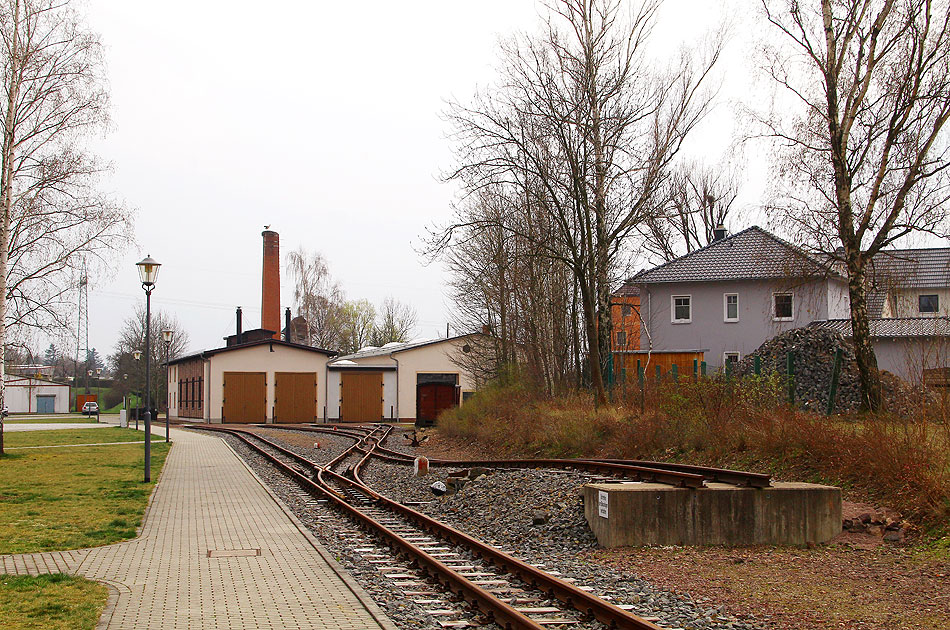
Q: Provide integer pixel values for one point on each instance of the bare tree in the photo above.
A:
(582, 129)
(317, 298)
(52, 214)
(132, 339)
(866, 160)
(699, 200)
(358, 319)
(396, 322)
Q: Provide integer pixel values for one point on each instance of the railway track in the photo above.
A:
(456, 578)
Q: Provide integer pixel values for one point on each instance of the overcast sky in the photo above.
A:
(320, 119)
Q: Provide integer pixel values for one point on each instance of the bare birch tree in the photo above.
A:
(53, 215)
(317, 298)
(866, 161)
(583, 128)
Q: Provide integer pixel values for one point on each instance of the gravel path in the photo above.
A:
(535, 515)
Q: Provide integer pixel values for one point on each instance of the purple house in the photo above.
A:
(724, 300)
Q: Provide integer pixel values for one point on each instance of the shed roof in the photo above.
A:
(252, 344)
(894, 326)
(752, 254)
(396, 348)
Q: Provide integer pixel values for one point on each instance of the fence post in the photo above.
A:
(757, 365)
(675, 371)
(695, 369)
(702, 369)
(659, 374)
(833, 390)
(728, 370)
(790, 374)
(640, 378)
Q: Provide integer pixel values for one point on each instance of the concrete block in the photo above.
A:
(634, 514)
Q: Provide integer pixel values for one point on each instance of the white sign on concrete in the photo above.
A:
(602, 502)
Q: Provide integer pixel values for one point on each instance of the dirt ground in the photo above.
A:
(855, 582)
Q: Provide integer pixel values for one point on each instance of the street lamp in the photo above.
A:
(148, 274)
(98, 382)
(167, 338)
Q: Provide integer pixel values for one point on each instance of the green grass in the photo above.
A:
(45, 420)
(69, 498)
(54, 602)
(74, 436)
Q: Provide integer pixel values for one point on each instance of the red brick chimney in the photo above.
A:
(270, 289)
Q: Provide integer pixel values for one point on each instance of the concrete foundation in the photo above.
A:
(634, 514)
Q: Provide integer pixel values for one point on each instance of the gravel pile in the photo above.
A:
(814, 348)
(535, 515)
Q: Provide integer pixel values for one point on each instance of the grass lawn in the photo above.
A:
(54, 602)
(28, 420)
(68, 498)
(74, 436)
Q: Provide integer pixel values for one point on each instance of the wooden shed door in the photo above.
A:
(245, 397)
(362, 396)
(295, 397)
(433, 398)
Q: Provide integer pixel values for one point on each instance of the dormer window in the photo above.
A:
(928, 304)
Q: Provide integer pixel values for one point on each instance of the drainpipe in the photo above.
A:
(392, 356)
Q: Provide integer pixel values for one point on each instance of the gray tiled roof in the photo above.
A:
(911, 268)
(895, 326)
(751, 254)
(876, 300)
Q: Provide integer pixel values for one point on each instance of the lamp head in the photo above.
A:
(137, 354)
(148, 271)
(167, 335)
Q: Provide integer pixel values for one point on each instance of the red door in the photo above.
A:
(432, 399)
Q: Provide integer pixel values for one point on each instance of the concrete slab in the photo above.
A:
(218, 551)
(634, 514)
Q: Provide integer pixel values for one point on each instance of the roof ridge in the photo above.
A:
(695, 251)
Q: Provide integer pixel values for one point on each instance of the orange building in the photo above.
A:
(625, 319)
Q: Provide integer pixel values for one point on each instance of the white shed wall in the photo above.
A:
(20, 394)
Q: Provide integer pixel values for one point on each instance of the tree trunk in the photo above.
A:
(864, 355)
(593, 350)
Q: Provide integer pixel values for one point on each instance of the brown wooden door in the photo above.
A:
(361, 396)
(245, 397)
(295, 397)
(433, 398)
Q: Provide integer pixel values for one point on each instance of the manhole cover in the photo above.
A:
(233, 553)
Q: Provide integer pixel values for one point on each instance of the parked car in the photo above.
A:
(90, 409)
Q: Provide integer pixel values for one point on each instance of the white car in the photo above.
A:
(90, 409)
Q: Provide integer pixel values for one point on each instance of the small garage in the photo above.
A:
(418, 381)
(34, 394)
(295, 397)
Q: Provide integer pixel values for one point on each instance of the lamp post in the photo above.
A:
(148, 274)
(167, 338)
(137, 355)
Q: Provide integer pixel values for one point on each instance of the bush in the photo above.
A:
(901, 461)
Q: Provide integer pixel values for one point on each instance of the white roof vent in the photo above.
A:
(344, 362)
(393, 344)
(367, 349)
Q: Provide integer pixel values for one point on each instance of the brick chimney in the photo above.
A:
(270, 289)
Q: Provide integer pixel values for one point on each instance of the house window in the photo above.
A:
(730, 357)
(730, 307)
(621, 339)
(682, 310)
(782, 307)
(928, 303)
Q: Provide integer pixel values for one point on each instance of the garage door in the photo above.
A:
(295, 397)
(45, 403)
(245, 397)
(361, 396)
(432, 399)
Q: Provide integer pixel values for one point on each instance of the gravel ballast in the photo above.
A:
(535, 515)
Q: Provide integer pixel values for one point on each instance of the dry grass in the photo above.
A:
(902, 461)
(50, 602)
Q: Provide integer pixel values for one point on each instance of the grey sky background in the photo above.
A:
(319, 119)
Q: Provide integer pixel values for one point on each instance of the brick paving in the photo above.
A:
(217, 550)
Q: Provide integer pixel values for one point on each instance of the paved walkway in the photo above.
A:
(217, 550)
